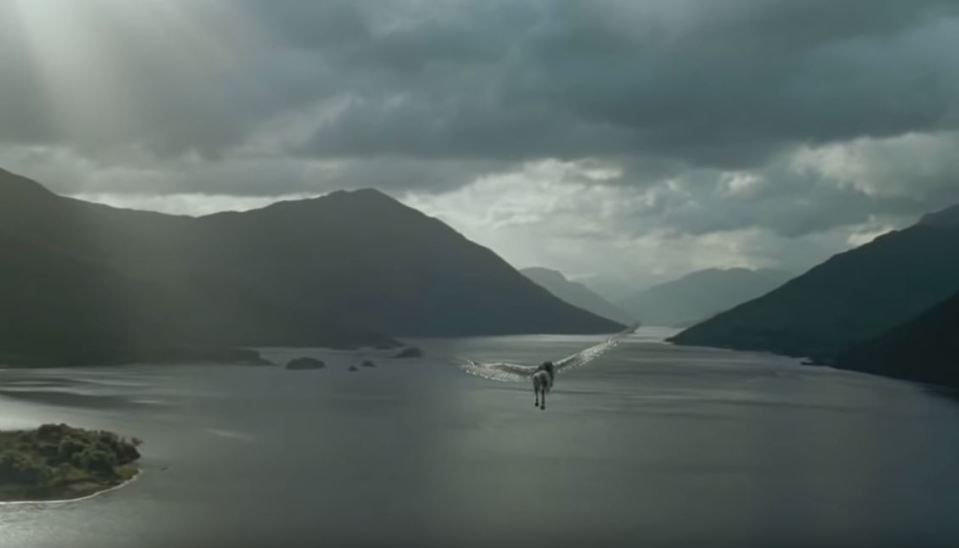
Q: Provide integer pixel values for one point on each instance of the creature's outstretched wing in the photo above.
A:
(514, 372)
(586, 355)
(499, 371)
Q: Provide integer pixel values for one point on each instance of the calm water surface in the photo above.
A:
(650, 445)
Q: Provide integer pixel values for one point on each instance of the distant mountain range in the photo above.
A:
(851, 298)
(701, 295)
(86, 283)
(924, 349)
(576, 294)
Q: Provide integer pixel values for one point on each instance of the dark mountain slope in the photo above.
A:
(850, 298)
(576, 294)
(80, 279)
(924, 349)
(371, 261)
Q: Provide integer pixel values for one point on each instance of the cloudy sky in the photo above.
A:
(621, 141)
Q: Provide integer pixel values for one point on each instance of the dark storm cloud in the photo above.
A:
(717, 83)
(714, 82)
(781, 201)
(263, 97)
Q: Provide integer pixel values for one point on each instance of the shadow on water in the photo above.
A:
(65, 392)
(73, 399)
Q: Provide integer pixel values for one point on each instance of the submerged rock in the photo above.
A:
(301, 364)
(353, 368)
(368, 363)
(410, 352)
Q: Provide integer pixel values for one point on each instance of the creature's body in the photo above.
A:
(542, 375)
(542, 383)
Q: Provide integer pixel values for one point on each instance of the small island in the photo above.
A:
(59, 462)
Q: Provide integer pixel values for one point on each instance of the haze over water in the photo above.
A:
(651, 444)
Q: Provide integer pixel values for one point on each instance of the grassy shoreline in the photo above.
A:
(56, 462)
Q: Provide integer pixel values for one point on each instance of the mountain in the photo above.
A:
(83, 282)
(701, 295)
(925, 349)
(576, 294)
(849, 299)
(947, 218)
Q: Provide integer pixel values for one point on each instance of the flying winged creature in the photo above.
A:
(543, 375)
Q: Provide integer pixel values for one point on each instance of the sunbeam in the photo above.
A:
(112, 71)
(72, 63)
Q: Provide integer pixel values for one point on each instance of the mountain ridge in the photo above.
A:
(576, 294)
(341, 271)
(701, 294)
(848, 299)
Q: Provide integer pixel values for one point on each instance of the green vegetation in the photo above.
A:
(57, 461)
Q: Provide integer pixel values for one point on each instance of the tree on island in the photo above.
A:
(57, 460)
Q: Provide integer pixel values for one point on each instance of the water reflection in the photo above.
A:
(653, 444)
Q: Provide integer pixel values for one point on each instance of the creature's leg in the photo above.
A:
(536, 392)
(542, 401)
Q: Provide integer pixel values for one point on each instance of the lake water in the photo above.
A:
(649, 445)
